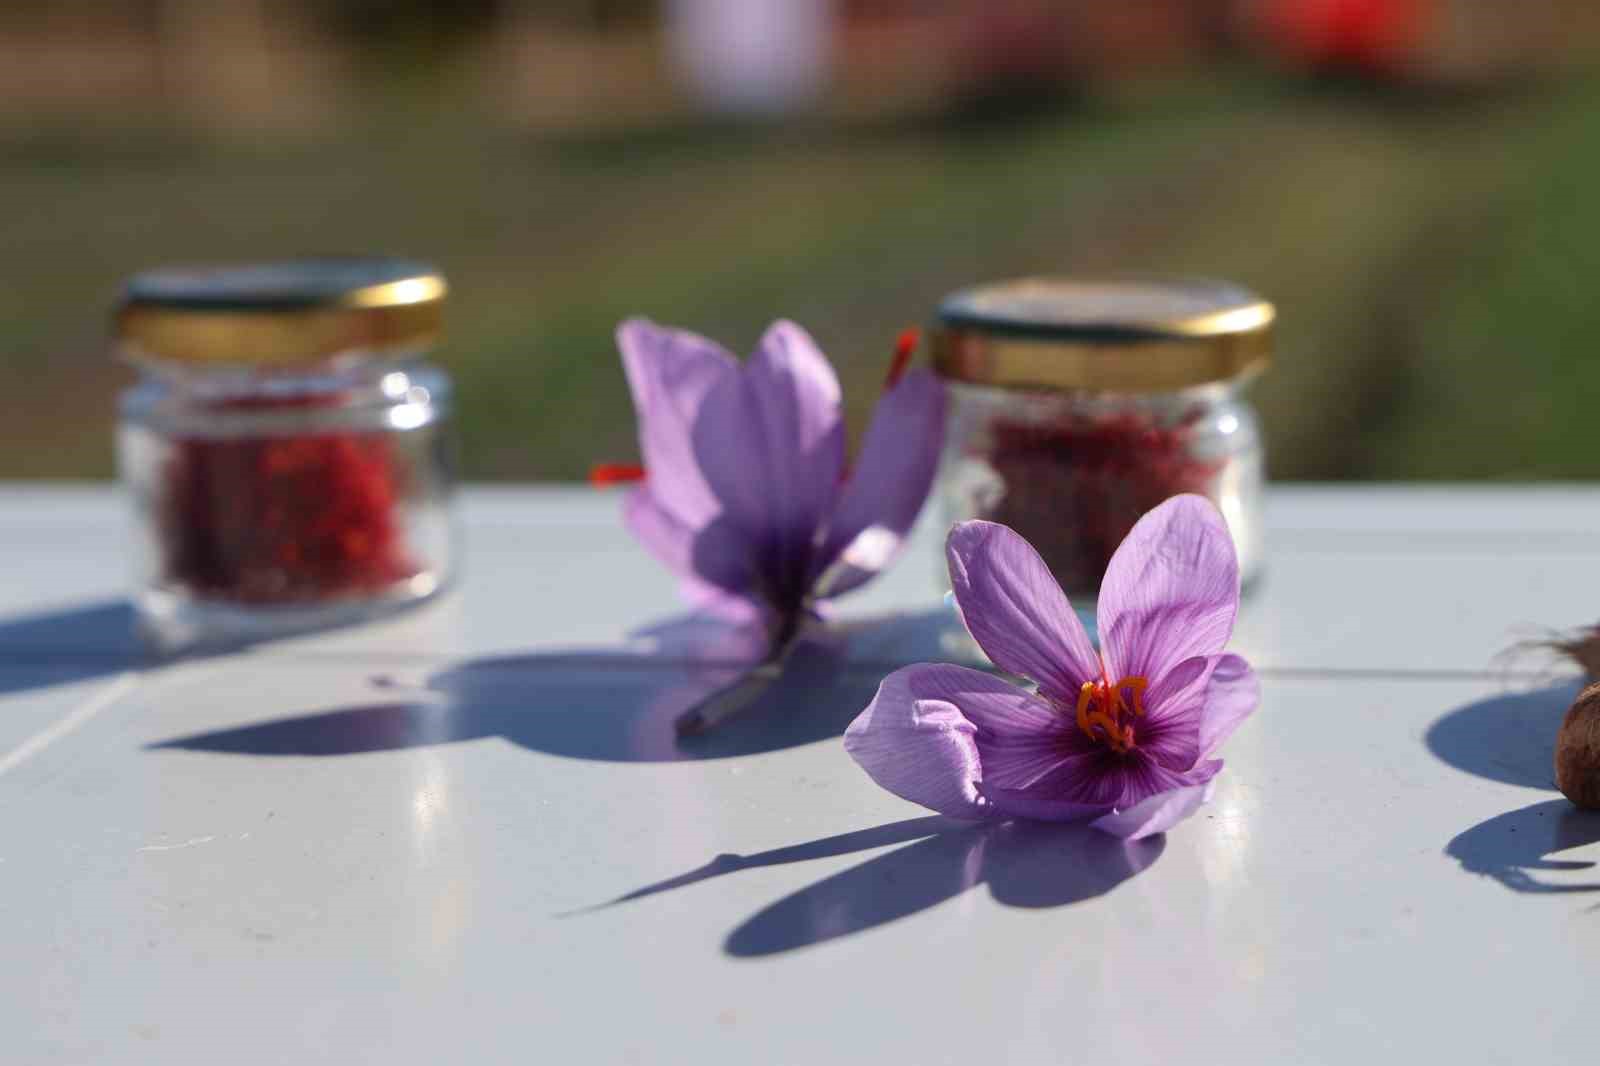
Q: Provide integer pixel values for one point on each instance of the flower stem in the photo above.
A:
(744, 691)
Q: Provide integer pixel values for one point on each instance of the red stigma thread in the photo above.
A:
(602, 475)
(904, 349)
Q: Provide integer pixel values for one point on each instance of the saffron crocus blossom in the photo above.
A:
(1121, 738)
(746, 492)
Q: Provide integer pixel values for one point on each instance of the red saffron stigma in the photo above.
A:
(904, 348)
(602, 475)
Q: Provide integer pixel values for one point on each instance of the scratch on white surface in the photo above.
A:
(191, 842)
(65, 726)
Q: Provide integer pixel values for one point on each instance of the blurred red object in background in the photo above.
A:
(1374, 36)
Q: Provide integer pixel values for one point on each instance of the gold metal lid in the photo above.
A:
(1112, 336)
(296, 313)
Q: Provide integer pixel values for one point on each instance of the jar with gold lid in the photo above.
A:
(1077, 406)
(287, 447)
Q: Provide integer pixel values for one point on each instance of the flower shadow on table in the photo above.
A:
(606, 705)
(1508, 738)
(1023, 864)
(1512, 847)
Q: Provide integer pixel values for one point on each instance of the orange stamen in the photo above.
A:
(1086, 696)
(1100, 708)
(904, 348)
(602, 475)
(1138, 685)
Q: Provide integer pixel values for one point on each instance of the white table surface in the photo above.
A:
(411, 842)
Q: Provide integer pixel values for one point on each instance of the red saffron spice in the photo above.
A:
(1075, 486)
(604, 475)
(905, 346)
(284, 519)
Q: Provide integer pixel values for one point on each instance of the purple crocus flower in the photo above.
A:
(746, 494)
(1121, 738)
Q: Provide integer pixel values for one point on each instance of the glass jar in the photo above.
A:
(288, 450)
(1076, 407)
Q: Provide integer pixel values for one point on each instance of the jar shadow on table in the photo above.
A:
(1022, 864)
(613, 705)
(79, 643)
(103, 638)
(1510, 738)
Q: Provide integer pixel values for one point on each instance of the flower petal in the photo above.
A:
(1094, 775)
(1171, 591)
(703, 638)
(1024, 803)
(719, 603)
(1156, 814)
(1024, 741)
(771, 445)
(1016, 611)
(1176, 692)
(1174, 705)
(663, 536)
(918, 736)
(886, 490)
(1196, 706)
(803, 414)
(670, 373)
(1231, 696)
(715, 554)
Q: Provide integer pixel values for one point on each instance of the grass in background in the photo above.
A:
(1431, 258)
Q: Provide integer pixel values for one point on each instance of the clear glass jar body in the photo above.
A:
(267, 504)
(1072, 471)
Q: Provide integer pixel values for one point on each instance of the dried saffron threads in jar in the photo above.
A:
(1080, 482)
(1076, 407)
(279, 520)
(288, 448)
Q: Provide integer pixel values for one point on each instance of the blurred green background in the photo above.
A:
(1427, 226)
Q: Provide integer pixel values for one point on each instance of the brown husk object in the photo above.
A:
(1583, 648)
(1578, 751)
